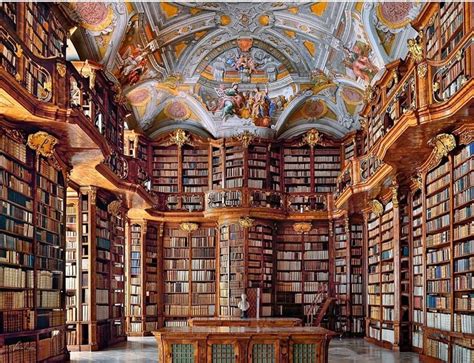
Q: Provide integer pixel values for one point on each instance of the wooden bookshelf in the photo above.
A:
(302, 268)
(297, 169)
(234, 165)
(32, 253)
(189, 265)
(165, 169)
(342, 254)
(97, 302)
(357, 282)
(448, 198)
(143, 274)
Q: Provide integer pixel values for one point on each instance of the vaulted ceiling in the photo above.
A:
(217, 68)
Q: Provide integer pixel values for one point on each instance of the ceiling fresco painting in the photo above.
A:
(275, 69)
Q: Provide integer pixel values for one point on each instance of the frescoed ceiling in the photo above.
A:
(217, 68)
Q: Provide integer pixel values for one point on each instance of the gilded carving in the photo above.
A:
(376, 207)
(422, 70)
(302, 227)
(179, 137)
(114, 207)
(442, 144)
(418, 181)
(61, 68)
(312, 138)
(14, 134)
(466, 137)
(245, 138)
(88, 72)
(246, 222)
(19, 51)
(415, 50)
(368, 93)
(43, 143)
(394, 189)
(188, 227)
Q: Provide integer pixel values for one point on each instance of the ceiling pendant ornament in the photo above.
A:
(302, 227)
(179, 137)
(442, 144)
(43, 143)
(376, 207)
(188, 227)
(246, 222)
(312, 138)
(245, 138)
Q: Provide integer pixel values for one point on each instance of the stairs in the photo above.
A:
(319, 308)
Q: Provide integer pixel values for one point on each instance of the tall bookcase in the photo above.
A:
(246, 266)
(189, 270)
(448, 194)
(302, 260)
(32, 253)
(96, 278)
(144, 278)
(342, 254)
(357, 282)
(387, 274)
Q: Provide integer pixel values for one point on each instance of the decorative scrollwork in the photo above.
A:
(188, 227)
(312, 138)
(422, 70)
(118, 164)
(61, 68)
(43, 143)
(114, 207)
(246, 222)
(376, 207)
(302, 227)
(179, 138)
(415, 49)
(245, 138)
(442, 144)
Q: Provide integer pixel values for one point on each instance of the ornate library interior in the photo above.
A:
(266, 182)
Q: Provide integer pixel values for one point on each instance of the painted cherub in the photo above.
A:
(358, 60)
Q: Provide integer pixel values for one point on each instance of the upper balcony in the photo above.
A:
(429, 91)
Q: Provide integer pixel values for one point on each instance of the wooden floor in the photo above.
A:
(340, 351)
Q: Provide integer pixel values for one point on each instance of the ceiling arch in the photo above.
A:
(273, 68)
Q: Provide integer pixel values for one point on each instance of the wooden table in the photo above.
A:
(252, 322)
(226, 344)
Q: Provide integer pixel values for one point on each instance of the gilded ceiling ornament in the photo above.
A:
(43, 143)
(188, 227)
(415, 50)
(302, 227)
(179, 137)
(114, 207)
(376, 207)
(422, 69)
(61, 68)
(245, 138)
(246, 222)
(312, 138)
(442, 144)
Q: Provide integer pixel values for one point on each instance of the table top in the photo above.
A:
(233, 318)
(242, 331)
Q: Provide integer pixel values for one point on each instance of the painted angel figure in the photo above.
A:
(358, 60)
(134, 64)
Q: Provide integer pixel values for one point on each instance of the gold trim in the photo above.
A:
(394, 189)
(61, 68)
(43, 143)
(442, 144)
(246, 222)
(312, 138)
(302, 227)
(179, 137)
(245, 138)
(415, 49)
(114, 207)
(188, 227)
(376, 207)
(422, 70)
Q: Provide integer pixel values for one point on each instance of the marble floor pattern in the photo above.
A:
(340, 351)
